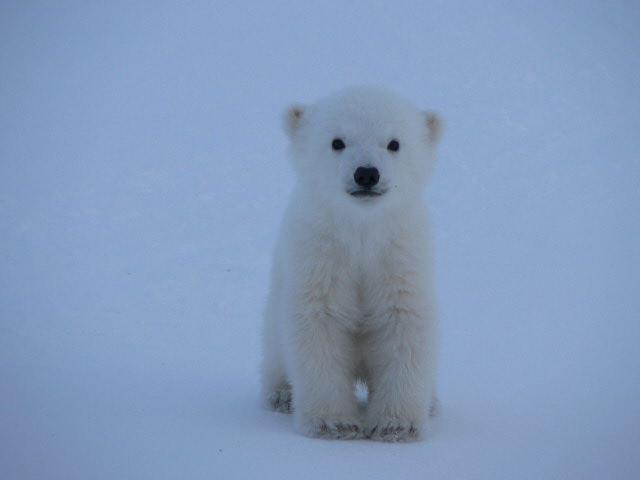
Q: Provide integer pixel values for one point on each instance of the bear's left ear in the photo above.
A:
(434, 126)
(293, 118)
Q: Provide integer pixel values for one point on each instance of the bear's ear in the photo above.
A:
(293, 118)
(434, 126)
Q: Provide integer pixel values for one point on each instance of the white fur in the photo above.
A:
(350, 295)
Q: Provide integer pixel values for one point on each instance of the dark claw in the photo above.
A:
(391, 431)
(281, 401)
(347, 428)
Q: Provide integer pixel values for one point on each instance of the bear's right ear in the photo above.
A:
(293, 118)
(434, 126)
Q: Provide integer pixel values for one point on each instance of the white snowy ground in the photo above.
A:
(142, 180)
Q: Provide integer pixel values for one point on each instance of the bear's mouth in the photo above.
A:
(365, 192)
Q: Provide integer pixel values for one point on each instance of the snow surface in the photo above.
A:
(142, 179)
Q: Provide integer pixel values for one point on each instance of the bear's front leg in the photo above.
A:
(320, 357)
(400, 352)
(322, 378)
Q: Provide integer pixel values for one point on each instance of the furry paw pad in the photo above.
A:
(337, 429)
(280, 400)
(393, 431)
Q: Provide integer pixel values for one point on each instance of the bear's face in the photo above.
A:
(362, 146)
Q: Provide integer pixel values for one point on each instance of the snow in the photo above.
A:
(142, 179)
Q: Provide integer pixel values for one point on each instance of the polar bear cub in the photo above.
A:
(351, 295)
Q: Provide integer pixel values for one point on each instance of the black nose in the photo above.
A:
(366, 176)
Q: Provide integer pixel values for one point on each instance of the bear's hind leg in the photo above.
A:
(276, 389)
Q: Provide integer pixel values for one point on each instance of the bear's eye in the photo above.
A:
(337, 144)
(393, 145)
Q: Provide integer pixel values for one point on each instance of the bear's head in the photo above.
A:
(362, 146)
